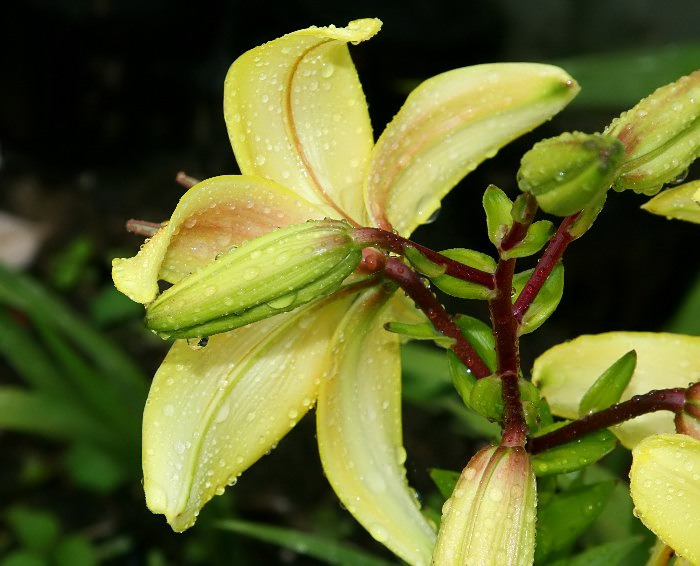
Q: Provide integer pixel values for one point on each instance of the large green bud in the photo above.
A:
(275, 273)
(661, 136)
(490, 517)
(571, 172)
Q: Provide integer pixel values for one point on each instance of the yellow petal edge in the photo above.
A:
(565, 372)
(665, 487)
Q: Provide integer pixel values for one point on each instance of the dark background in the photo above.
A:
(102, 102)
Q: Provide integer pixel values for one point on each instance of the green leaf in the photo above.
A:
(486, 396)
(498, 213)
(602, 555)
(574, 455)
(465, 289)
(95, 469)
(316, 546)
(35, 530)
(462, 378)
(538, 234)
(445, 480)
(422, 263)
(686, 320)
(420, 331)
(24, 294)
(23, 558)
(567, 516)
(71, 264)
(74, 551)
(545, 302)
(651, 67)
(25, 411)
(480, 336)
(608, 388)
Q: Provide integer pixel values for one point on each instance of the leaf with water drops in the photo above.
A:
(538, 234)
(567, 516)
(458, 287)
(214, 411)
(665, 487)
(608, 388)
(499, 218)
(480, 336)
(420, 331)
(296, 114)
(573, 455)
(359, 430)
(211, 218)
(565, 372)
(450, 124)
(545, 302)
(681, 203)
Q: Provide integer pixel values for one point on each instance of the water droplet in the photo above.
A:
(433, 217)
(250, 273)
(169, 410)
(223, 413)
(282, 302)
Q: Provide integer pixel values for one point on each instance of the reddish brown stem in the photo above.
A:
(551, 256)
(660, 400)
(142, 227)
(398, 272)
(395, 243)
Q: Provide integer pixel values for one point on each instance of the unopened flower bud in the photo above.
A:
(661, 136)
(570, 172)
(687, 421)
(490, 517)
(275, 273)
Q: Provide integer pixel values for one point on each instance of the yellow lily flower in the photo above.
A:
(665, 487)
(565, 372)
(300, 130)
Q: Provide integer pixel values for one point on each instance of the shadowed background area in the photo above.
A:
(102, 102)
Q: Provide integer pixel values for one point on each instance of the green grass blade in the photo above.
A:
(317, 546)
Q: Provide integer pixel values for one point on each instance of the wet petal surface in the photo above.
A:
(212, 412)
(359, 431)
(450, 124)
(296, 114)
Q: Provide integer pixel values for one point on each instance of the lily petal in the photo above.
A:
(213, 412)
(564, 374)
(211, 217)
(450, 124)
(665, 488)
(359, 431)
(296, 114)
(682, 203)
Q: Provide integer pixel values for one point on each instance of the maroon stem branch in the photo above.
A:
(505, 329)
(660, 400)
(398, 272)
(397, 244)
(551, 256)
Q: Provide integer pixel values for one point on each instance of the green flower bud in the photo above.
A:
(661, 136)
(275, 273)
(570, 172)
(490, 517)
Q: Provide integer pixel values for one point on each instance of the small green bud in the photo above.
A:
(570, 172)
(490, 517)
(661, 136)
(499, 213)
(275, 273)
